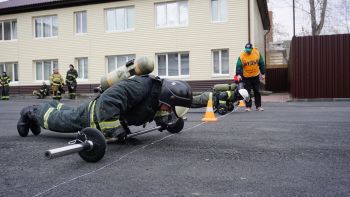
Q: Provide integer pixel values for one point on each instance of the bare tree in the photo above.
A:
(321, 5)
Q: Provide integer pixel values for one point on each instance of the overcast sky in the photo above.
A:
(337, 17)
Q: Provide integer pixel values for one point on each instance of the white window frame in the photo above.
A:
(220, 17)
(86, 62)
(128, 58)
(179, 65)
(178, 14)
(81, 22)
(11, 30)
(42, 27)
(42, 65)
(126, 29)
(13, 77)
(220, 62)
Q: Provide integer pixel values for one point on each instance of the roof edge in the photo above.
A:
(50, 5)
(264, 13)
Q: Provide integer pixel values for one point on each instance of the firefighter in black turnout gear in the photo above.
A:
(71, 81)
(43, 91)
(133, 101)
(5, 86)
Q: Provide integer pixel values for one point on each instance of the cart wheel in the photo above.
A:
(230, 107)
(222, 109)
(177, 127)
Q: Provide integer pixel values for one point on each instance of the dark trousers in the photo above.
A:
(4, 90)
(253, 83)
(72, 89)
(60, 118)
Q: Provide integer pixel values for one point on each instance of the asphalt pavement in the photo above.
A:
(290, 149)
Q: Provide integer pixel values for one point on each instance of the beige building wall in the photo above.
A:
(258, 32)
(199, 38)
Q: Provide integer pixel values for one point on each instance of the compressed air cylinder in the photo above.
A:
(224, 87)
(141, 66)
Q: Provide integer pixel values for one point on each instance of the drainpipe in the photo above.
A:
(249, 21)
(265, 45)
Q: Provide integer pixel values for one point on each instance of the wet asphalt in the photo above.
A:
(290, 149)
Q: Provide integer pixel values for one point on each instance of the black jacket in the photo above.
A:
(133, 100)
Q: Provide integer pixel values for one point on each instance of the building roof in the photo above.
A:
(19, 6)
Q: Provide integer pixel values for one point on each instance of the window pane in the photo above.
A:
(78, 22)
(2, 68)
(54, 26)
(223, 10)
(172, 14)
(185, 64)
(80, 68)
(120, 19)
(0, 31)
(111, 63)
(161, 65)
(224, 61)
(130, 57)
(15, 70)
(39, 71)
(173, 64)
(111, 20)
(55, 65)
(84, 25)
(130, 18)
(9, 71)
(161, 15)
(85, 68)
(214, 10)
(183, 13)
(38, 24)
(121, 60)
(14, 29)
(47, 70)
(7, 30)
(216, 62)
(47, 26)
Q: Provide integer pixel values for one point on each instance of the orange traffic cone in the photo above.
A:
(209, 113)
(241, 103)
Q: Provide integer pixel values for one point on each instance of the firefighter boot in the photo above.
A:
(28, 121)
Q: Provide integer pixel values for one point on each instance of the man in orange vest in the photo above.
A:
(250, 68)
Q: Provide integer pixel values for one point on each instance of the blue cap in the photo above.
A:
(248, 47)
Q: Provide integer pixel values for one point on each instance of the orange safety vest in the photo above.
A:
(250, 63)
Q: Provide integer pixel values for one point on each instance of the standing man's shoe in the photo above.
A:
(248, 109)
(259, 109)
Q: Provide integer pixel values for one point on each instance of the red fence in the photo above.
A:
(319, 66)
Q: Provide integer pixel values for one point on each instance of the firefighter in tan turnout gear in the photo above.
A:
(71, 81)
(134, 100)
(56, 82)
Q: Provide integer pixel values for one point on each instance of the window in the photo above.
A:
(220, 62)
(120, 19)
(219, 10)
(114, 62)
(173, 64)
(46, 26)
(44, 68)
(80, 22)
(11, 70)
(171, 14)
(82, 67)
(8, 30)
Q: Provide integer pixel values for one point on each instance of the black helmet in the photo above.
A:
(175, 93)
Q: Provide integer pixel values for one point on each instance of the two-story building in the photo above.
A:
(194, 40)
